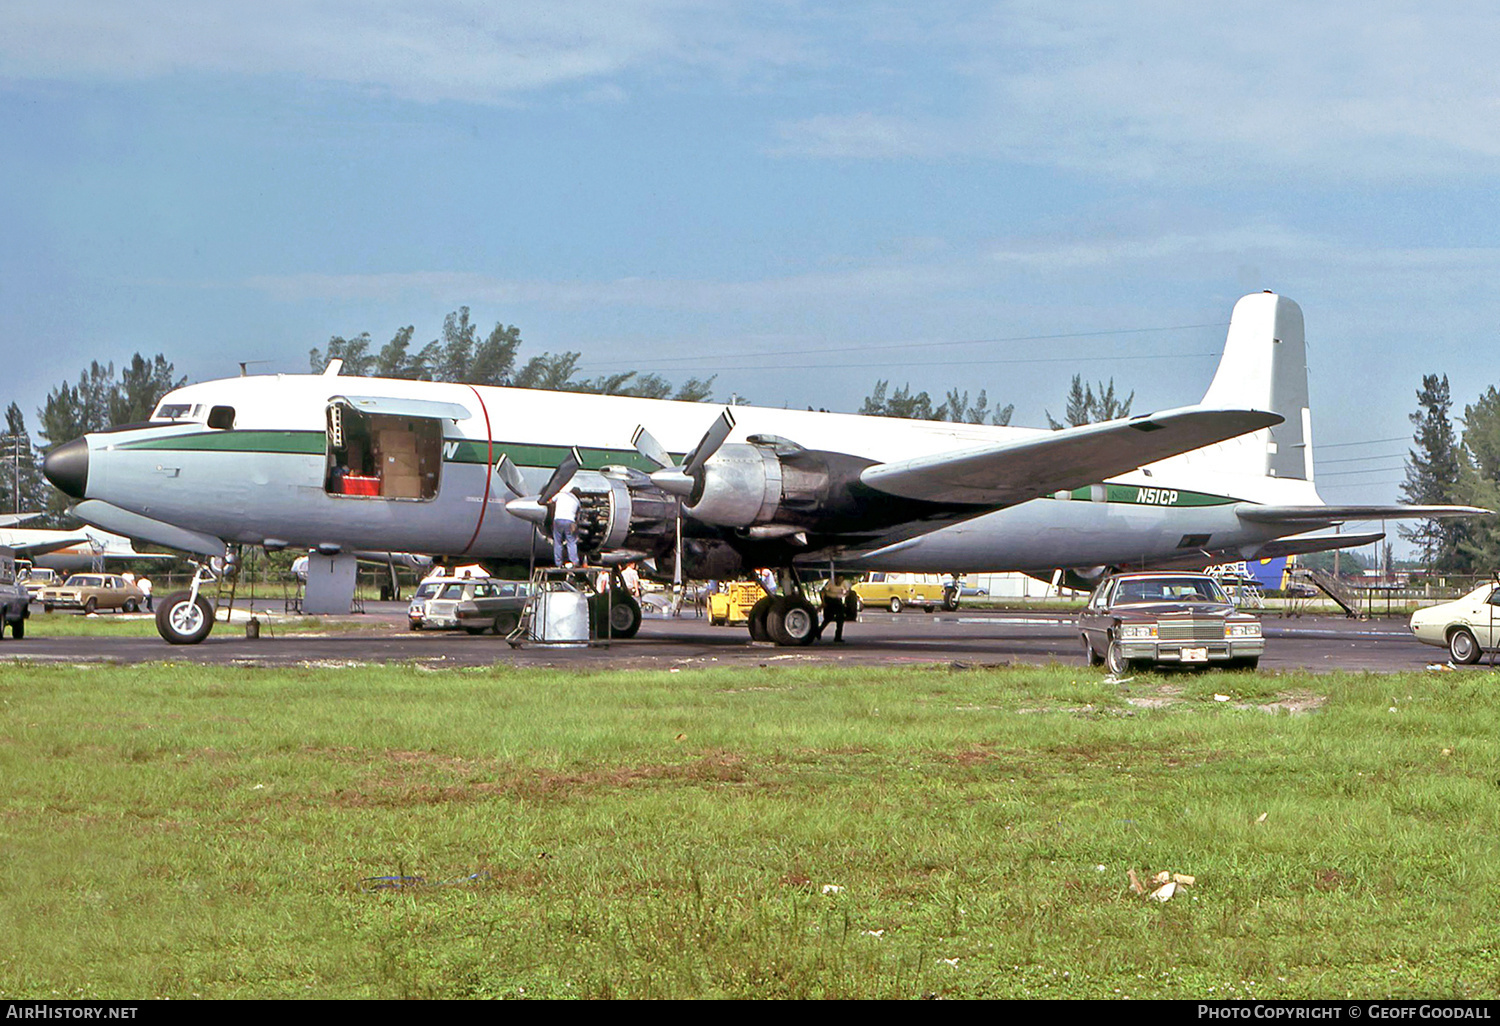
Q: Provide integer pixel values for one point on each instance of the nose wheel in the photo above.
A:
(187, 617)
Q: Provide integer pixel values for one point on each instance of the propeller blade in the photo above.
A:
(651, 449)
(510, 474)
(561, 476)
(709, 444)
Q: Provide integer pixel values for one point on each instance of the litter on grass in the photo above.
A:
(1165, 884)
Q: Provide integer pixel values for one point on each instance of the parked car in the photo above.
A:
(91, 592)
(1467, 627)
(14, 602)
(476, 604)
(1173, 619)
(35, 579)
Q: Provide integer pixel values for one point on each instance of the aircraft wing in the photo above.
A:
(40, 547)
(1297, 545)
(1014, 472)
(1338, 514)
(12, 519)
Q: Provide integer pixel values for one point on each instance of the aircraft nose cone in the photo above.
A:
(67, 467)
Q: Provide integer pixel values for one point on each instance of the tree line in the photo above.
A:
(1445, 466)
(461, 355)
(103, 398)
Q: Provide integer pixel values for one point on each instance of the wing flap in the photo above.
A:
(1014, 472)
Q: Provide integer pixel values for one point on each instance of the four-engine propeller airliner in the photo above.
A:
(339, 464)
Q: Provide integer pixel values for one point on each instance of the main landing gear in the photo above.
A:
(786, 618)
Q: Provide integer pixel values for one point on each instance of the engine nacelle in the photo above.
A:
(612, 515)
(746, 485)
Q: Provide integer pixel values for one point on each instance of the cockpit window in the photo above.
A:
(178, 411)
(221, 418)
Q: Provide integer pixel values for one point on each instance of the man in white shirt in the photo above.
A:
(565, 527)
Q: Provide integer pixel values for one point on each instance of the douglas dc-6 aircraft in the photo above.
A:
(338, 464)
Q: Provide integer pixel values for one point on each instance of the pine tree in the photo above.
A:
(1432, 473)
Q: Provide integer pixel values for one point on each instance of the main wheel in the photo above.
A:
(181, 621)
(18, 629)
(895, 604)
(792, 621)
(950, 600)
(758, 615)
(624, 617)
(1114, 658)
(1463, 647)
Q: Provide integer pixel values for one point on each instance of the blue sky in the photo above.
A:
(801, 198)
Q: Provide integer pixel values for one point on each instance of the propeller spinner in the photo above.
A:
(534, 507)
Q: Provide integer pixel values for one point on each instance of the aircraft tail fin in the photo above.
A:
(1264, 367)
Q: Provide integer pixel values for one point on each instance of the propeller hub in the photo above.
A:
(527, 509)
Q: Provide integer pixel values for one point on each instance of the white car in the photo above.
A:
(1466, 627)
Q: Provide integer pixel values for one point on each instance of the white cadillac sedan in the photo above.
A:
(1466, 627)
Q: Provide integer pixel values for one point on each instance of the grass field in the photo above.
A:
(143, 625)
(178, 831)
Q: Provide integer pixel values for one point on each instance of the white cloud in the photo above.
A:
(426, 50)
(1187, 90)
(935, 274)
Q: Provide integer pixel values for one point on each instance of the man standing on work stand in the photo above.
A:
(565, 527)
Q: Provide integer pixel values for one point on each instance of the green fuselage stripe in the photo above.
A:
(1138, 495)
(455, 450)
(469, 450)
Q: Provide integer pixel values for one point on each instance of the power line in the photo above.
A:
(1368, 470)
(1363, 459)
(1373, 441)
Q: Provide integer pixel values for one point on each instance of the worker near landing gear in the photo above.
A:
(565, 527)
(834, 608)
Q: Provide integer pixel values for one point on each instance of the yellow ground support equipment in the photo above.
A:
(731, 603)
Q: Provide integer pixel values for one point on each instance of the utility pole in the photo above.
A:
(14, 445)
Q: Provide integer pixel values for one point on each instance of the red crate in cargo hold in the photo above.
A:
(355, 484)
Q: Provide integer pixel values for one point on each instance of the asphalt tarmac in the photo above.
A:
(973, 638)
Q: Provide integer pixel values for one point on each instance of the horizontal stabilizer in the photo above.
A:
(1299, 545)
(1014, 472)
(1339, 514)
(1305, 543)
